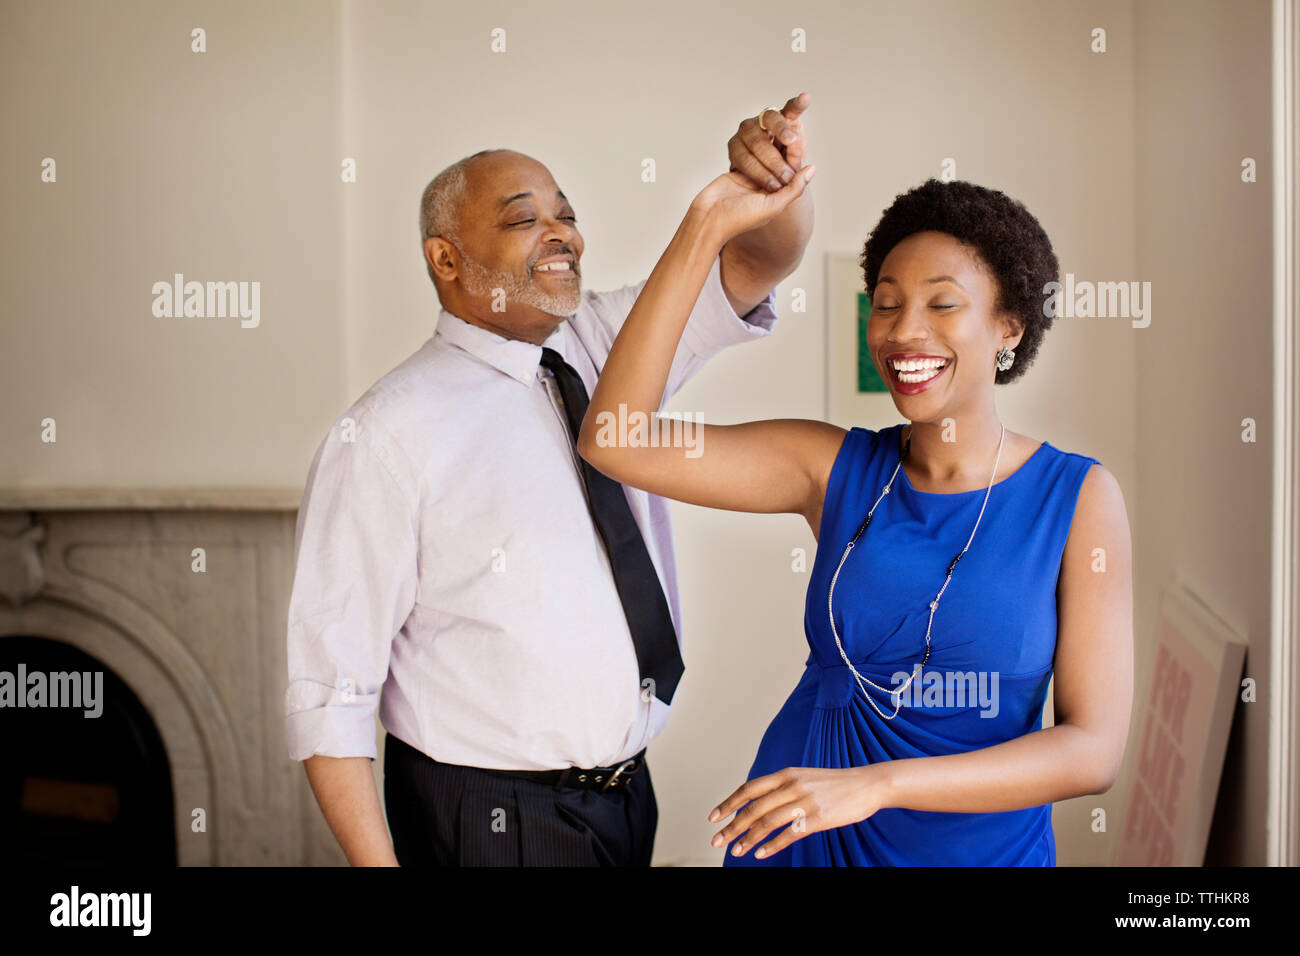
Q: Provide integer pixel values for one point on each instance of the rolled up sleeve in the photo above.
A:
(712, 326)
(355, 581)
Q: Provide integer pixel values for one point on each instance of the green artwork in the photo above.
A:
(868, 378)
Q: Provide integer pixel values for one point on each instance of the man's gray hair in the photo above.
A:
(440, 206)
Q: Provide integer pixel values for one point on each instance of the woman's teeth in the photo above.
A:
(915, 371)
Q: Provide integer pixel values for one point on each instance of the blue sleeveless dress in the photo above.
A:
(992, 644)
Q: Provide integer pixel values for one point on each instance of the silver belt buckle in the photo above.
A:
(614, 776)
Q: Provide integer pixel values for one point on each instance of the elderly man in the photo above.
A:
(517, 608)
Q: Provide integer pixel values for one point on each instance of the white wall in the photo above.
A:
(222, 166)
(1205, 241)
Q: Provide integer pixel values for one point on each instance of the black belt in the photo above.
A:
(579, 778)
(596, 778)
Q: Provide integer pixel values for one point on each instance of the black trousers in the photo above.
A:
(447, 815)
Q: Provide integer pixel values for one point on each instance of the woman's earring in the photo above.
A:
(1005, 359)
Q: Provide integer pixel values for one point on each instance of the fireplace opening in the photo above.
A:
(75, 789)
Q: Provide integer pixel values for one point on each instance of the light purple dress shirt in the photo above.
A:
(445, 556)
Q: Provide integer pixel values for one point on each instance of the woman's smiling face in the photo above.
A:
(934, 313)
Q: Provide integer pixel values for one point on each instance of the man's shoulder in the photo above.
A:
(618, 298)
(404, 405)
(601, 313)
(416, 385)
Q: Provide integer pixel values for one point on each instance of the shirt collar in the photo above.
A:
(517, 359)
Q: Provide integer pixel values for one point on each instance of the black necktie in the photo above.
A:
(647, 612)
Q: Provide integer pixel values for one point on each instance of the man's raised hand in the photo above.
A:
(770, 158)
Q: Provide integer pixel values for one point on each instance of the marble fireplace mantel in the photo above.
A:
(112, 572)
(144, 498)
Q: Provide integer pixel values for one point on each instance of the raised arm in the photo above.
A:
(766, 466)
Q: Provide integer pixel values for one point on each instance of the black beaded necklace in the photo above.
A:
(934, 605)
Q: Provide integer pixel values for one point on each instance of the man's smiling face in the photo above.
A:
(518, 247)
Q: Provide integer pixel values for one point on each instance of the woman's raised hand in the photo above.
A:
(733, 203)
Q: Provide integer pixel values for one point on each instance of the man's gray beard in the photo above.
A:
(480, 280)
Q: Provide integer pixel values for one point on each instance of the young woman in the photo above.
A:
(959, 564)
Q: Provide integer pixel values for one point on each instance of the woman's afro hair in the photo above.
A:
(1006, 237)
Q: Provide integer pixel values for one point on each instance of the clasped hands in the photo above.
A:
(767, 172)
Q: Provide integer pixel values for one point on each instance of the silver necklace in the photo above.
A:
(934, 605)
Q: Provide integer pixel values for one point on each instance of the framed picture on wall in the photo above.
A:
(855, 392)
(1183, 717)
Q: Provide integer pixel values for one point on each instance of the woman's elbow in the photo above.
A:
(588, 449)
(603, 443)
(1103, 771)
(1102, 783)
(1095, 760)
(592, 446)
